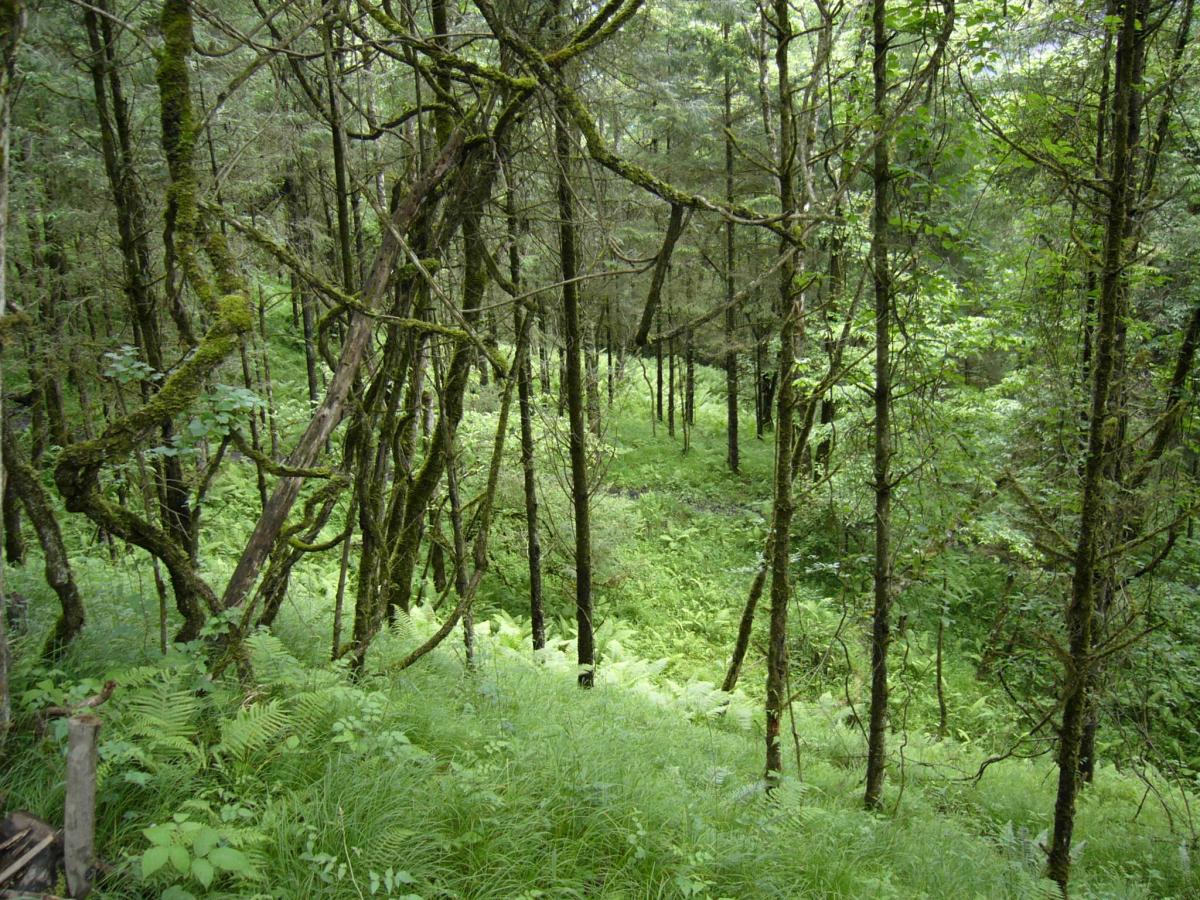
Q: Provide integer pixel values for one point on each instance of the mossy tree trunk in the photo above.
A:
(12, 24)
(572, 327)
(14, 542)
(732, 454)
(882, 277)
(781, 507)
(1081, 606)
(522, 329)
(59, 576)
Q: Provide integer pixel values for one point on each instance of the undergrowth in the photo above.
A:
(505, 781)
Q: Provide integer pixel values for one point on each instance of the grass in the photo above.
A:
(509, 782)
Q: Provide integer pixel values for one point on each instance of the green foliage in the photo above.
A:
(197, 853)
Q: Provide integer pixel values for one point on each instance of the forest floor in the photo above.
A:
(508, 782)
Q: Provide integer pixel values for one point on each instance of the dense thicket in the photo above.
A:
(401, 292)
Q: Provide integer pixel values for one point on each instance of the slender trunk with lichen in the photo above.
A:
(1081, 607)
(12, 23)
(580, 498)
(781, 516)
(1129, 521)
(881, 272)
(58, 572)
(522, 327)
(340, 166)
(14, 542)
(732, 458)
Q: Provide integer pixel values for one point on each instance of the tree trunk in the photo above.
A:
(14, 543)
(340, 166)
(745, 627)
(575, 402)
(658, 382)
(33, 497)
(670, 384)
(731, 371)
(592, 379)
(881, 626)
(12, 23)
(302, 298)
(781, 519)
(1081, 607)
(522, 326)
(689, 380)
(609, 373)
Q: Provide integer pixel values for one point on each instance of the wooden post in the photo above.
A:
(79, 817)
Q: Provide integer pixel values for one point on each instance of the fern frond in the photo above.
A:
(164, 711)
(272, 662)
(252, 728)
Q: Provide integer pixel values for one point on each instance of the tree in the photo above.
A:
(12, 23)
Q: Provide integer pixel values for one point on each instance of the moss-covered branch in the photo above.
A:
(77, 473)
(441, 55)
(550, 78)
(179, 143)
(54, 552)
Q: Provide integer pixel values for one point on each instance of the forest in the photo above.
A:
(599, 448)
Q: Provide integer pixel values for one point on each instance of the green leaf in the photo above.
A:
(175, 892)
(153, 860)
(202, 871)
(229, 860)
(180, 858)
(158, 835)
(205, 841)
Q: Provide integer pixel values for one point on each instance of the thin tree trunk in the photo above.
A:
(941, 683)
(33, 496)
(608, 349)
(14, 543)
(586, 650)
(732, 458)
(670, 384)
(12, 23)
(301, 296)
(881, 626)
(339, 600)
(340, 173)
(1081, 608)
(543, 350)
(689, 370)
(592, 378)
(522, 326)
(255, 440)
(745, 627)
(781, 521)
(658, 383)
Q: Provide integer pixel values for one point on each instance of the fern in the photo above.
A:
(163, 719)
(273, 664)
(401, 626)
(252, 728)
(315, 711)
